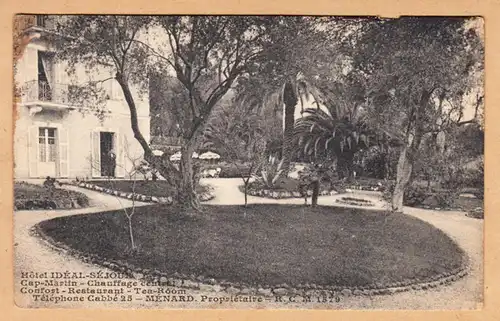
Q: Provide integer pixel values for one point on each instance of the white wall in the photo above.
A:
(79, 125)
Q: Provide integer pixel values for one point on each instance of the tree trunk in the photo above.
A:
(290, 100)
(161, 164)
(131, 234)
(246, 195)
(315, 193)
(403, 175)
(387, 165)
(186, 192)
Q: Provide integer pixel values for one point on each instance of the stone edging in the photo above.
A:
(268, 193)
(211, 285)
(141, 197)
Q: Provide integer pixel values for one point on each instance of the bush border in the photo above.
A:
(206, 196)
(202, 283)
(71, 204)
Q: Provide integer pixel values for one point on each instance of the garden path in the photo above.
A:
(32, 255)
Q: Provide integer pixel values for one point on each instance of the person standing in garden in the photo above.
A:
(309, 179)
(111, 163)
(315, 185)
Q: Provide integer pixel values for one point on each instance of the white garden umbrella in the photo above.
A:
(157, 152)
(177, 156)
(209, 155)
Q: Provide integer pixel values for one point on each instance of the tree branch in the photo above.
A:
(157, 54)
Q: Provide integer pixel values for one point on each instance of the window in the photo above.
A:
(47, 144)
(40, 20)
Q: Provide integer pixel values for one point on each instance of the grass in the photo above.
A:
(269, 245)
(149, 188)
(32, 196)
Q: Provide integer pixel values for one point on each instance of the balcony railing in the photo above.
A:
(42, 91)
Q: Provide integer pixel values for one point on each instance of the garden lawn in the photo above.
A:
(269, 245)
(149, 188)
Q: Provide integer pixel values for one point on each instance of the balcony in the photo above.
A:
(42, 95)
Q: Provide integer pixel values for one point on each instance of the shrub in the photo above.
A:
(413, 196)
(231, 171)
(445, 197)
(467, 177)
(30, 197)
(282, 184)
(270, 172)
(416, 195)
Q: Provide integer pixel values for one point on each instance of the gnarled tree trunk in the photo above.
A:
(161, 164)
(186, 193)
(403, 176)
(404, 173)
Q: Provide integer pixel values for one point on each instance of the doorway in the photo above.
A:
(108, 154)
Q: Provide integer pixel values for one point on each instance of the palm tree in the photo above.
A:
(285, 77)
(279, 100)
(338, 132)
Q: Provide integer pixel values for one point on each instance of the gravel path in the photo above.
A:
(32, 255)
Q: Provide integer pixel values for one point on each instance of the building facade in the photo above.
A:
(53, 136)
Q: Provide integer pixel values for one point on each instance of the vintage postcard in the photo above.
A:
(248, 162)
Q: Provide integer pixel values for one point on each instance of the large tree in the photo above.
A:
(207, 54)
(420, 71)
(302, 50)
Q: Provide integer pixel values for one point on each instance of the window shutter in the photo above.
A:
(120, 155)
(95, 161)
(33, 151)
(30, 57)
(63, 152)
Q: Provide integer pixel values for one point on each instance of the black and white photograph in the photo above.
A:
(248, 162)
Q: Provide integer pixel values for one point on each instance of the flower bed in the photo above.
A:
(289, 188)
(282, 194)
(354, 201)
(363, 184)
(123, 190)
(35, 197)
